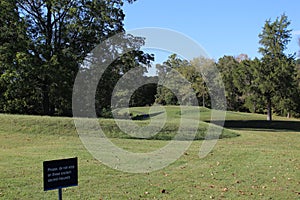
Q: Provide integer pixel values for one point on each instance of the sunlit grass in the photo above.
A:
(259, 164)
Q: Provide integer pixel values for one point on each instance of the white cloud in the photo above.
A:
(296, 32)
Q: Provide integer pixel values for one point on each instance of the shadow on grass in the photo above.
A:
(145, 116)
(260, 125)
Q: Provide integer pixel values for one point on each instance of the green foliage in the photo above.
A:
(250, 84)
(173, 72)
(165, 91)
(244, 81)
(211, 87)
(133, 89)
(13, 56)
(198, 83)
(42, 45)
(275, 76)
(144, 96)
(227, 66)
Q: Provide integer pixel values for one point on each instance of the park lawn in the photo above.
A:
(205, 113)
(259, 164)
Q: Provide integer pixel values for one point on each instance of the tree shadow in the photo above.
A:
(260, 125)
(145, 116)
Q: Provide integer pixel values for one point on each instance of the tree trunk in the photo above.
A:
(203, 100)
(46, 102)
(48, 109)
(269, 114)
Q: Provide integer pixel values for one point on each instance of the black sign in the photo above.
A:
(60, 173)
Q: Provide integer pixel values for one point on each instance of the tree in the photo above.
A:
(198, 83)
(227, 66)
(178, 77)
(165, 95)
(275, 76)
(145, 95)
(244, 80)
(13, 60)
(106, 66)
(298, 85)
(59, 35)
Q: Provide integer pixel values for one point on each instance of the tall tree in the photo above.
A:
(13, 55)
(199, 83)
(61, 34)
(275, 77)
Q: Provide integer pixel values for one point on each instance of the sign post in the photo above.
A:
(59, 194)
(59, 174)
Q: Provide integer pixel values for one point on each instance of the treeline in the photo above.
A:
(44, 44)
(243, 84)
(269, 85)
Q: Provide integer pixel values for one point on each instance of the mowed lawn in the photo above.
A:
(263, 162)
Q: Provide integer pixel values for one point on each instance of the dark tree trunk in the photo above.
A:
(46, 101)
(269, 108)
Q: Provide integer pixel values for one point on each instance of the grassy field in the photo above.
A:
(262, 163)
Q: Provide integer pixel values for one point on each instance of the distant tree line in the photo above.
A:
(267, 85)
(43, 44)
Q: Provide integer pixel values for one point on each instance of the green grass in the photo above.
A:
(65, 126)
(262, 163)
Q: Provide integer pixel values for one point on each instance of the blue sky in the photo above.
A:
(221, 27)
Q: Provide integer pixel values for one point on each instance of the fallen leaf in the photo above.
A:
(241, 192)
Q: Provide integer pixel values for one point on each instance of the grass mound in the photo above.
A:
(167, 132)
(62, 126)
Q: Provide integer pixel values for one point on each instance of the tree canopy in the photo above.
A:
(42, 45)
(276, 74)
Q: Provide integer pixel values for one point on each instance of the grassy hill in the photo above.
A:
(262, 163)
(65, 127)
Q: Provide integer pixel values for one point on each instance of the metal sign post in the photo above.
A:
(59, 194)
